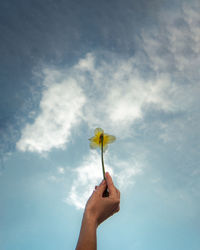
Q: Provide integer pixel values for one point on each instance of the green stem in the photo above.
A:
(104, 175)
(105, 193)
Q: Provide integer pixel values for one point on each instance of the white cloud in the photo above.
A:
(115, 93)
(121, 95)
(61, 170)
(116, 105)
(126, 171)
(61, 104)
(172, 46)
(89, 174)
(87, 63)
(170, 53)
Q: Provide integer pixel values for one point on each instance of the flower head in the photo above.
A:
(96, 141)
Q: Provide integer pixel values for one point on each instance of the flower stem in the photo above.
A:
(105, 193)
(104, 175)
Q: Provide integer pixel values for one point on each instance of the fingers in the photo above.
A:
(113, 191)
(100, 189)
(111, 187)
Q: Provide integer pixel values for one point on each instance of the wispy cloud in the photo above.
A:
(86, 177)
(114, 92)
(60, 110)
(172, 45)
(102, 94)
(89, 174)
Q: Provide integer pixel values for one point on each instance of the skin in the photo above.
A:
(97, 210)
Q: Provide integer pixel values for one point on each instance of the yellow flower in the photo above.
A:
(96, 140)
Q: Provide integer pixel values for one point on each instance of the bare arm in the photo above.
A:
(98, 209)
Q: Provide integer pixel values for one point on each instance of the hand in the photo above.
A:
(99, 208)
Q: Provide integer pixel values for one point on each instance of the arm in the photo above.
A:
(98, 209)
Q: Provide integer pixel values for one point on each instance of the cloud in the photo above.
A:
(120, 95)
(106, 90)
(68, 99)
(61, 170)
(163, 75)
(60, 110)
(172, 45)
(86, 64)
(89, 174)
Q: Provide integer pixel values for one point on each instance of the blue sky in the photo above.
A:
(129, 67)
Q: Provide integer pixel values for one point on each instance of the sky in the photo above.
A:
(130, 67)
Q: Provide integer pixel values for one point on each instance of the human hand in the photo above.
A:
(99, 208)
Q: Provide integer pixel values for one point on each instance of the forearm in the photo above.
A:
(87, 238)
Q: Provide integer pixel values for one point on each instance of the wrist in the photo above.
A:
(90, 219)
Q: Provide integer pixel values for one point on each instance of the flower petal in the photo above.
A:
(93, 145)
(98, 131)
(109, 138)
(93, 139)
